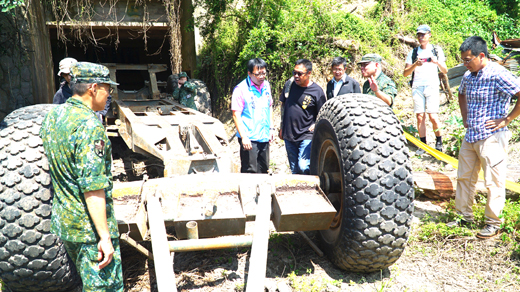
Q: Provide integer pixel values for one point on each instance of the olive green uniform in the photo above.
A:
(185, 95)
(385, 84)
(80, 159)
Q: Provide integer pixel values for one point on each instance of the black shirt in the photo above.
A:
(301, 109)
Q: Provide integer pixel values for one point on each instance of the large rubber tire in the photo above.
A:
(203, 98)
(359, 139)
(31, 258)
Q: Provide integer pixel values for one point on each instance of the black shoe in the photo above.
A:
(420, 151)
(488, 231)
(438, 146)
(459, 223)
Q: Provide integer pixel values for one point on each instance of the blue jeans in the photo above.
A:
(299, 155)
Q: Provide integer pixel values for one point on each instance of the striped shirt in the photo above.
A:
(488, 94)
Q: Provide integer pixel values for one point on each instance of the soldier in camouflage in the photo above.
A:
(185, 92)
(377, 84)
(80, 159)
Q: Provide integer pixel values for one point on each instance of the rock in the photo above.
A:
(284, 287)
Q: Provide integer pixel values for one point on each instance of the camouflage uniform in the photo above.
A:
(80, 160)
(186, 95)
(385, 84)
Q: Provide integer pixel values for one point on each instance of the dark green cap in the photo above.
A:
(371, 58)
(85, 72)
(183, 74)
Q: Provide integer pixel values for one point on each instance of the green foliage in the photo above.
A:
(457, 131)
(306, 284)
(282, 31)
(514, 127)
(433, 231)
(508, 7)
(511, 225)
(8, 5)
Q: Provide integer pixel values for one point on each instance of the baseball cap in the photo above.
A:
(86, 72)
(183, 74)
(65, 64)
(371, 58)
(423, 28)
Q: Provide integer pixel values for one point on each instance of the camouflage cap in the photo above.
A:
(85, 72)
(371, 58)
(183, 74)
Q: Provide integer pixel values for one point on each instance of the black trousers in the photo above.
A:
(255, 160)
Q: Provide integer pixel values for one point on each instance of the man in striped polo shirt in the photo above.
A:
(484, 96)
(251, 104)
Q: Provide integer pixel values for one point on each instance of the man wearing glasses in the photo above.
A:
(423, 64)
(341, 83)
(484, 96)
(251, 104)
(80, 159)
(377, 84)
(299, 112)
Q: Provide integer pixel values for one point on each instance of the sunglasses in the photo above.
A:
(299, 74)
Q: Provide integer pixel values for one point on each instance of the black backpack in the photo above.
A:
(414, 58)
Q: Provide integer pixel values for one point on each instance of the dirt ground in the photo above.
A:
(441, 264)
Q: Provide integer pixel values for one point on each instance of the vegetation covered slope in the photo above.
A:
(282, 31)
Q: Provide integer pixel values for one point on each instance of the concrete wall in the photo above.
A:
(25, 60)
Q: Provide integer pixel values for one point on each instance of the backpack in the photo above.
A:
(414, 59)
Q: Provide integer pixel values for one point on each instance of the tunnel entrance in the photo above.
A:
(130, 49)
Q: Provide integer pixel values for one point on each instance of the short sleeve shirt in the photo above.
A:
(488, 93)
(80, 159)
(427, 74)
(385, 84)
(301, 110)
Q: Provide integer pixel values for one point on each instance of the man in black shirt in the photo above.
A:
(299, 111)
(341, 83)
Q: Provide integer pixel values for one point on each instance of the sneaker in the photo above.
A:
(438, 146)
(459, 223)
(420, 151)
(488, 231)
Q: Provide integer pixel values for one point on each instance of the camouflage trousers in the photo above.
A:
(84, 256)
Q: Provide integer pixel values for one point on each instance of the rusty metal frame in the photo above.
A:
(151, 68)
(186, 140)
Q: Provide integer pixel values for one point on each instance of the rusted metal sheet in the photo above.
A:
(199, 194)
(186, 140)
(216, 214)
(301, 208)
(507, 44)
